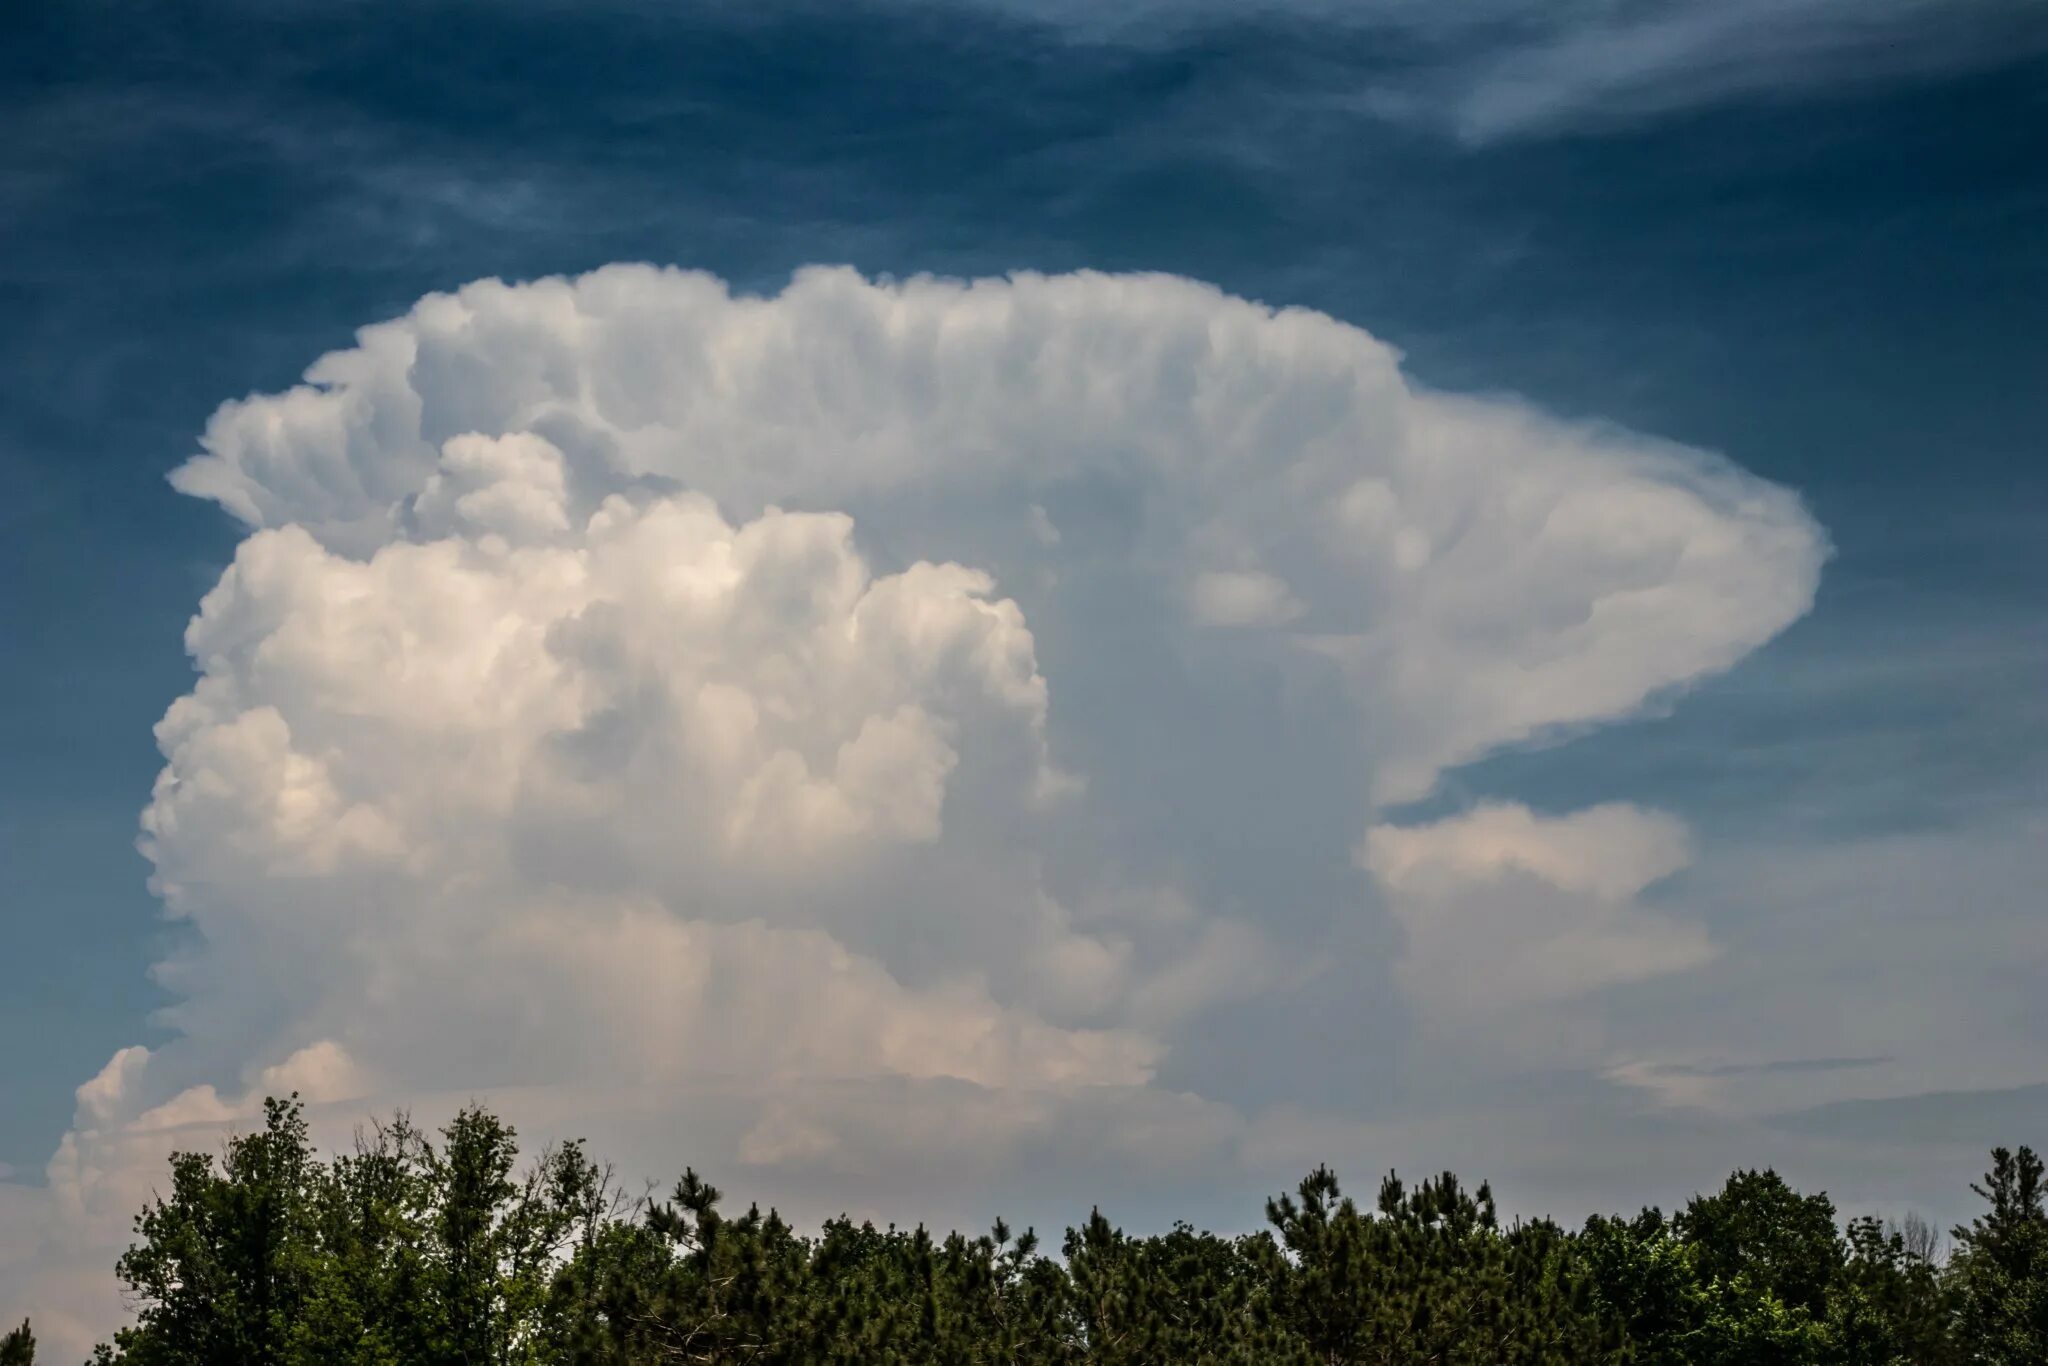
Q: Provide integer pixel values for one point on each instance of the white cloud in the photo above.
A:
(1479, 571)
(1241, 598)
(320, 1074)
(100, 1099)
(1610, 852)
(625, 690)
(1504, 910)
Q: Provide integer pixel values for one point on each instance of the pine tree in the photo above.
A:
(418, 1250)
(2002, 1264)
(1431, 1277)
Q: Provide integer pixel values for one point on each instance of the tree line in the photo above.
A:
(443, 1249)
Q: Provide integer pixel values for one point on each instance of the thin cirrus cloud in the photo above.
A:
(632, 693)
(1645, 60)
(1499, 70)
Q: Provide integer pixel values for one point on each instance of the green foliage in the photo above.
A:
(225, 1269)
(1183, 1297)
(1431, 1277)
(18, 1348)
(1893, 1304)
(406, 1253)
(1758, 1228)
(2002, 1263)
(419, 1251)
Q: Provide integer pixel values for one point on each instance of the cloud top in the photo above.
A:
(1479, 572)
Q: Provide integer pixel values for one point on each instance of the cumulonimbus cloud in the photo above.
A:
(627, 687)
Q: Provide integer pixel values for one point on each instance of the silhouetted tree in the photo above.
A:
(18, 1348)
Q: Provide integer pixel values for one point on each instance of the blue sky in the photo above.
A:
(1811, 243)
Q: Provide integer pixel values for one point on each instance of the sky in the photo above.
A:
(957, 608)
